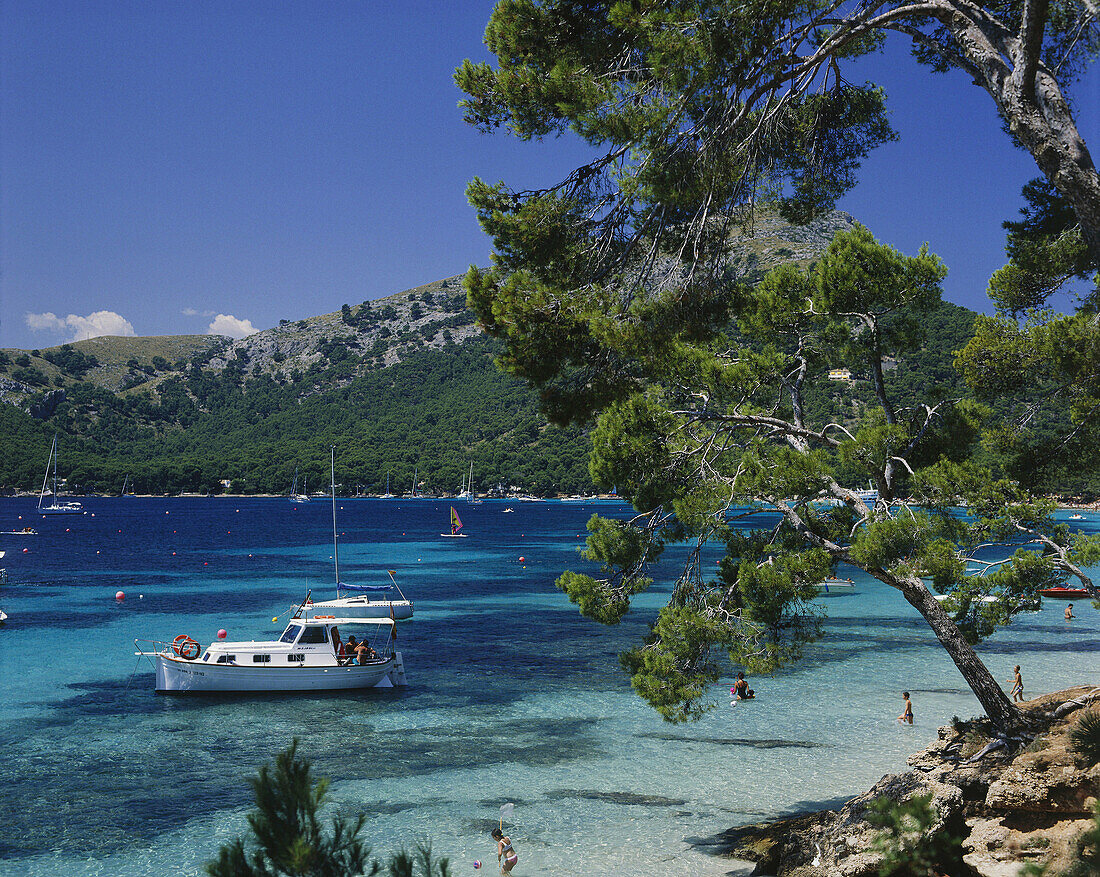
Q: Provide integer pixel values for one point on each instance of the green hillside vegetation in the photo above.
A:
(402, 384)
(435, 412)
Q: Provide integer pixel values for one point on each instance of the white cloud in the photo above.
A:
(82, 328)
(227, 324)
(191, 312)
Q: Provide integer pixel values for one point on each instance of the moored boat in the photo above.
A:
(1065, 593)
(363, 601)
(56, 506)
(835, 587)
(310, 656)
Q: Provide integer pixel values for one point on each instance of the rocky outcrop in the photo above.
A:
(1010, 805)
(838, 842)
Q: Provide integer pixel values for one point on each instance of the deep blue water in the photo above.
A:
(512, 696)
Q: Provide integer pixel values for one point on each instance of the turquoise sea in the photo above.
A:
(512, 698)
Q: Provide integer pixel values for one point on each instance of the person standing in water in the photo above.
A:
(505, 854)
(1017, 691)
(1069, 611)
(907, 714)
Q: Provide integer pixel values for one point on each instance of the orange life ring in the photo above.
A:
(185, 647)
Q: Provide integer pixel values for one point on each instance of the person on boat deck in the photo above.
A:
(337, 645)
(506, 855)
(364, 652)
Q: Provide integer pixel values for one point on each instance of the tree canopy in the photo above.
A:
(613, 294)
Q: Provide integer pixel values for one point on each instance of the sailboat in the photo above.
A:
(294, 495)
(69, 507)
(387, 494)
(456, 526)
(362, 605)
(467, 491)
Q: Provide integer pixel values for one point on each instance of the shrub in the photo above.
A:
(1085, 737)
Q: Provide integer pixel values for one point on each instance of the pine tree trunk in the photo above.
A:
(1001, 711)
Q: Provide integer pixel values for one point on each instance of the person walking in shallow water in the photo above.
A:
(1069, 611)
(1017, 691)
(505, 854)
(906, 716)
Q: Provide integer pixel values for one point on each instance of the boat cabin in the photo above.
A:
(321, 641)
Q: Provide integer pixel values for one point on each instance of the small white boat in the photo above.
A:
(456, 526)
(1076, 517)
(308, 657)
(26, 531)
(359, 604)
(507, 510)
(358, 601)
(56, 506)
(835, 587)
(3, 616)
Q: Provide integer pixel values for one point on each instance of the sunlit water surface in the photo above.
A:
(512, 697)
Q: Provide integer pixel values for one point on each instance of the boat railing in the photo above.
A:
(155, 647)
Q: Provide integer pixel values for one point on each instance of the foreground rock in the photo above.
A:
(1010, 807)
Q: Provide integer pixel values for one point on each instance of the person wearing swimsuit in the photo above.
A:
(741, 688)
(906, 717)
(1017, 685)
(505, 854)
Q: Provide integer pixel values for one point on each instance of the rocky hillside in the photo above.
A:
(374, 334)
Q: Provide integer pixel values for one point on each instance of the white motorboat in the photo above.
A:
(309, 657)
(3, 616)
(362, 601)
(56, 506)
(1076, 517)
(835, 587)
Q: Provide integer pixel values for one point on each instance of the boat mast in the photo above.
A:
(335, 547)
(46, 476)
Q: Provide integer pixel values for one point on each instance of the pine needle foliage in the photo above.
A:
(290, 839)
(909, 846)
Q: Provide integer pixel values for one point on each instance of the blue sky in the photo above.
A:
(166, 167)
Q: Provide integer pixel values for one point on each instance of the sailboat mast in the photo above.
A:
(46, 475)
(335, 544)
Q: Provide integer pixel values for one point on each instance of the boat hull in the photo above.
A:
(835, 589)
(179, 676)
(1065, 593)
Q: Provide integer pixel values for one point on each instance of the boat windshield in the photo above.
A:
(315, 635)
(290, 634)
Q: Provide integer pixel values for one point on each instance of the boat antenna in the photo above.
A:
(335, 547)
(392, 579)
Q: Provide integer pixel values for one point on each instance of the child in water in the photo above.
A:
(505, 854)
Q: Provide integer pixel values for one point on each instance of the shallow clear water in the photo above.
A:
(512, 696)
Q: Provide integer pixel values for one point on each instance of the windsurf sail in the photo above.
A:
(456, 522)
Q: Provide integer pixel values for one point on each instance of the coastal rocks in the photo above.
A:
(1010, 805)
(837, 842)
